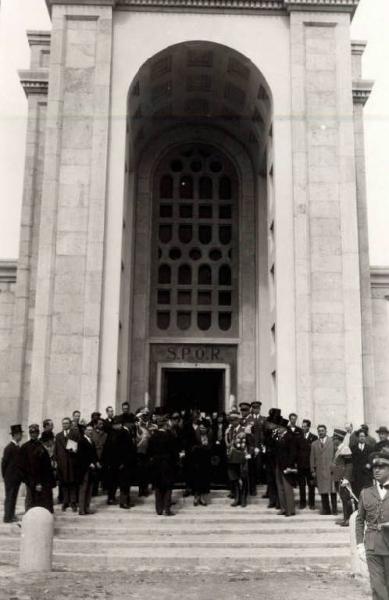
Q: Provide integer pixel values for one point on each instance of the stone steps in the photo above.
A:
(216, 536)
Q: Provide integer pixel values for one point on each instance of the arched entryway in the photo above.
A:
(199, 169)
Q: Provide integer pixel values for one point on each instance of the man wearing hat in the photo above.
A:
(322, 452)
(36, 471)
(163, 456)
(373, 514)
(383, 434)
(247, 423)
(271, 432)
(286, 467)
(11, 474)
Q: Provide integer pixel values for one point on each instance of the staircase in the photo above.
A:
(217, 537)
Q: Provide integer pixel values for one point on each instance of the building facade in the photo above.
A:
(194, 222)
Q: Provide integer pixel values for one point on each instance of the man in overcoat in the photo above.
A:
(163, 457)
(322, 452)
(65, 458)
(373, 514)
(10, 473)
(36, 471)
(286, 467)
(118, 458)
(362, 475)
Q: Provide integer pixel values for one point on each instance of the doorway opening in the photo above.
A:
(183, 389)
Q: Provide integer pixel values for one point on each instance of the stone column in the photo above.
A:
(35, 84)
(66, 342)
(328, 311)
(361, 93)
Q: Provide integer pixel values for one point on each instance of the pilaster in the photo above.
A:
(69, 281)
(361, 91)
(35, 84)
(328, 310)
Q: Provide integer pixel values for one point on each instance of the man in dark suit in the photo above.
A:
(36, 471)
(286, 467)
(360, 454)
(65, 457)
(163, 456)
(11, 474)
(373, 513)
(118, 459)
(86, 465)
(305, 441)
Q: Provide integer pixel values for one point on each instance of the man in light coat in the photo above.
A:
(322, 452)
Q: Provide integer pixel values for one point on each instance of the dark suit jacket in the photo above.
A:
(373, 511)
(286, 451)
(66, 460)
(362, 475)
(10, 464)
(35, 465)
(86, 456)
(304, 450)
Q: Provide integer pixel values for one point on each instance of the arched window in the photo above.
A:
(224, 275)
(205, 275)
(186, 187)
(184, 275)
(164, 274)
(166, 187)
(205, 188)
(225, 188)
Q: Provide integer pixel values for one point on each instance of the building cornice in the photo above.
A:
(38, 38)
(361, 90)
(283, 6)
(8, 270)
(34, 81)
(379, 277)
(358, 47)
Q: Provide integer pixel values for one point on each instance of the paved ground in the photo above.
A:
(199, 585)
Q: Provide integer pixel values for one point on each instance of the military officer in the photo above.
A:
(373, 512)
(36, 471)
(258, 431)
(11, 474)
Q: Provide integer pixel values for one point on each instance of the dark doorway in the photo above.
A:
(193, 388)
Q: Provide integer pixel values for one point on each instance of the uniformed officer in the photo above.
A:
(36, 471)
(11, 474)
(373, 511)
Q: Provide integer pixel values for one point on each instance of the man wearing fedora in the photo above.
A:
(383, 434)
(372, 526)
(11, 474)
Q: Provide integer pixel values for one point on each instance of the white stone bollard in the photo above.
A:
(36, 544)
(358, 566)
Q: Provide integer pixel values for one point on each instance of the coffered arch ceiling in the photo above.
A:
(200, 83)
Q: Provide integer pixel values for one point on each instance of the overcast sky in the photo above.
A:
(16, 16)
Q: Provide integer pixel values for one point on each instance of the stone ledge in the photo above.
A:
(34, 81)
(361, 90)
(379, 277)
(8, 270)
(38, 38)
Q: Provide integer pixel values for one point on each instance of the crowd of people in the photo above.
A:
(193, 450)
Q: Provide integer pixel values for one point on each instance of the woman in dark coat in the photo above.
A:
(201, 464)
(163, 460)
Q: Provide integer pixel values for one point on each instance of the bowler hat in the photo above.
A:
(382, 429)
(16, 429)
(282, 422)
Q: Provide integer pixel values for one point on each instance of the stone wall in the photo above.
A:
(7, 297)
(380, 308)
